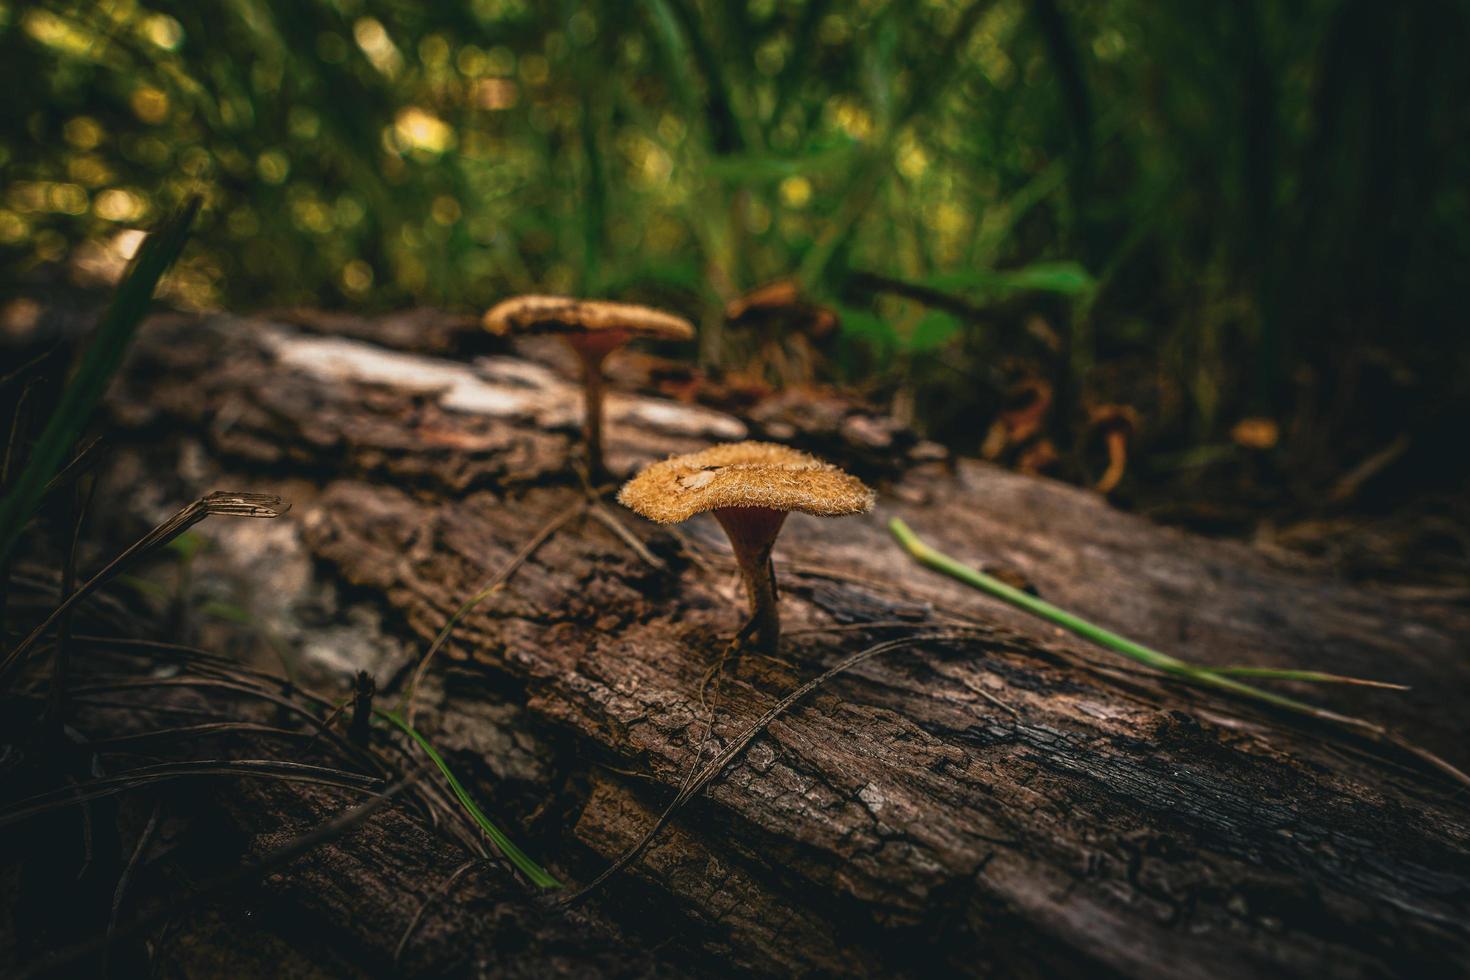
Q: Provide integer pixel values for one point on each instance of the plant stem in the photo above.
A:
(592, 351)
(1090, 631)
(1203, 676)
(592, 421)
(539, 876)
(104, 354)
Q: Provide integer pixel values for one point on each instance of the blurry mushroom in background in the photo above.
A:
(1256, 433)
(593, 329)
(1115, 426)
(1037, 457)
(1022, 418)
(785, 327)
(749, 487)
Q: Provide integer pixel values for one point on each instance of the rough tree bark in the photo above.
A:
(1017, 802)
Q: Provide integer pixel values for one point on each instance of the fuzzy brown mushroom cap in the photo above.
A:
(565, 315)
(743, 474)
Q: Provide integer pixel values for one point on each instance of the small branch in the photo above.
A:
(497, 581)
(692, 787)
(144, 839)
(611, 522)
(977, 689)
(418, 916)
(144, 775)
(86, 459)
(240, 685)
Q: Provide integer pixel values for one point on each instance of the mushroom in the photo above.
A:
(593, 329)
(1256, 433)
(750, 487)
(1022, 418)
(777, 315)
(1116, 424)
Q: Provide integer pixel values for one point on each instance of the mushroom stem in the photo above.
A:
(765, 614)
(1117, 444)
(592, 415)
(593, 350)
(752, 532)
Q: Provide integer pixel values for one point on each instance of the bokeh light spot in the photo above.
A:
(116, 204)
(82, 132)
(796, 192)
(372, 37)
(445, 210)
(273, 166)
(357, 276)
(149, 104)
(420, 130)
(163, 31)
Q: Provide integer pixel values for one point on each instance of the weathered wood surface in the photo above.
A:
(1015, 803)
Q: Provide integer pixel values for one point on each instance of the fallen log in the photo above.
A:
(1005, 800)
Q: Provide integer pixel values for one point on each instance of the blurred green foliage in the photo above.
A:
(1217, 209)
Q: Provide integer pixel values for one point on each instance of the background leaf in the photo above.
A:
(100, 362)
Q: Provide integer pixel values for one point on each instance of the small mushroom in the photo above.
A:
(1022, 418)
(750, 487)
(593, 329)
(785, 328)
(1256, 433)
(1115, 424)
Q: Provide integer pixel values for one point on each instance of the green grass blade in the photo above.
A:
(674, 51)
(727, 130)
(1204, 676)
(796, 70)
(538, 875)
(1066, 278)
(1312, 676)
(104, 354)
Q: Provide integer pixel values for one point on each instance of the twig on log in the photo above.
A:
(406, 703)
(609, 520)
(717, 765)
(95, 789)
(122, 882)
(362, 709)
(440, 892)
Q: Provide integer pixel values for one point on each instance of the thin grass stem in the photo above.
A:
(1202, 676)
(539, 876)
